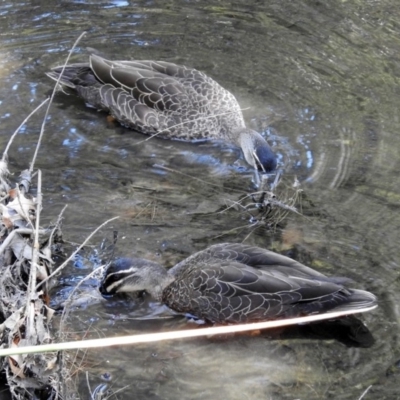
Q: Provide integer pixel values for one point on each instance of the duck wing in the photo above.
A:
(139, 98)
(201, 89)
(251, 256)
(238, 283)
(156, 97)
(149, 87)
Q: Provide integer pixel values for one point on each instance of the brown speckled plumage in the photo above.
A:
(231, 283)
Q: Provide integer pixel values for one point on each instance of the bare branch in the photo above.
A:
(51, 100)
(64, 264)
(22, 124)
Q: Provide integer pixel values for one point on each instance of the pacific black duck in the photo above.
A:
(168, 101)
(236, 283)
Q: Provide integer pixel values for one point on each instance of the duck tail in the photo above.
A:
(55, 74)
(358, 301)
(73, 75)
(343, 302)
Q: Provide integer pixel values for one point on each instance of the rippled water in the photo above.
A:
(321, 81)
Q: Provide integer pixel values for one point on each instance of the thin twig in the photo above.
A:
(238, 203)
(64, 313)
(30, 316)
(64, 264)
(51, 100)
(248, 235)
(193, 177)
(22, 124)
(57, 224)
(231, 231)
(35, 252)
(365, 392)
(88, 384)
(276, 182)
(118, 391)
(142, 211)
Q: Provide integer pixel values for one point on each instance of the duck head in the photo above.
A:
(135, 275)
(256, 150)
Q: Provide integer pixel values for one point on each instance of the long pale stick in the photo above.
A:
(156, 337)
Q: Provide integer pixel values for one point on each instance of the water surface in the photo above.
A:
(320, 81)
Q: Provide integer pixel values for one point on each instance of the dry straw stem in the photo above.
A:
(22, 124)
(365, 392)
(35, 257)
(64, 264)
(156, 337)
(64, 315)
(57, 224)
(271, 207)
(51, 100)
(191, 177)
(27, 316)
(35, 251)
(277, 204)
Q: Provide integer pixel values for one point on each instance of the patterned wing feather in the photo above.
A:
(202, 91)
(239, 283)
(190, 105)
(128, 110)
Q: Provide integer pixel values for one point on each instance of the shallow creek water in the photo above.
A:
(321, 81)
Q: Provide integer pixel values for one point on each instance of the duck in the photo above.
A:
(166, 100)
(233, 283)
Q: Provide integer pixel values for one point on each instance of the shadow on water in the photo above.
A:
(320, 81)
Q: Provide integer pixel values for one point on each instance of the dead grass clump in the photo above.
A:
(25, 261)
